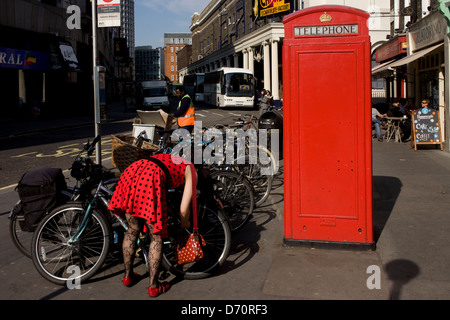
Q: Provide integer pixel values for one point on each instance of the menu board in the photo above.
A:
(426, 128)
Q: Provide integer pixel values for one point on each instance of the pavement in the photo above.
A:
(411, 220)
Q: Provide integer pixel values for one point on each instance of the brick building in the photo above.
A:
(173, 43)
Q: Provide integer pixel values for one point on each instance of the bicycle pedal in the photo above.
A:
(138, 252)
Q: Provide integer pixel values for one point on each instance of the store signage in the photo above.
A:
(391, 49)
(430, 30)
(329, 30)
(69, 55)
(108, 13)
(21, 59)
(268, 8)
(426, 127)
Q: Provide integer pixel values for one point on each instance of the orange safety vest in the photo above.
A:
(189, 118)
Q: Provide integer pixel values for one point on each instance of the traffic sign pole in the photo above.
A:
(98, 150)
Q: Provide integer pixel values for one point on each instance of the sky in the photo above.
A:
(153, 18)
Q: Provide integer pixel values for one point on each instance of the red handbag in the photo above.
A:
(189, 248)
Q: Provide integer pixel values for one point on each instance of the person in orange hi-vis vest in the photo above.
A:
(185, 111)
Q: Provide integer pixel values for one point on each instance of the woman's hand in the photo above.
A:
(185, 223)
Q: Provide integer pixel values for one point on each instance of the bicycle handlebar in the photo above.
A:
(90, 147)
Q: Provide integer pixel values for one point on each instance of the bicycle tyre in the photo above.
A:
(21, 239)
(53, 255)
(236, 195)
(215, 230)
(259, 174)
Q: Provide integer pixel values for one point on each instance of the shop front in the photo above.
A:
(426, 64)
(395, 79)
(35, 69)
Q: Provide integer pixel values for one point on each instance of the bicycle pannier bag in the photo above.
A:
(38, 193)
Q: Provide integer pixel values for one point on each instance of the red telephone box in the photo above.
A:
(327, 127)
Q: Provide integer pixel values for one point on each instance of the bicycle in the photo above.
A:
(233, 191)
(236, 196)
(23, 239)
(258, 164)
(245, 123)
(80, 235)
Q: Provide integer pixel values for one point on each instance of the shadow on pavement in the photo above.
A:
(385, 193)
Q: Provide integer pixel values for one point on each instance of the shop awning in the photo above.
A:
(383, 67)
(415, 56)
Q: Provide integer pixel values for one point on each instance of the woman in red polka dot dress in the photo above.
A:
(140, 196)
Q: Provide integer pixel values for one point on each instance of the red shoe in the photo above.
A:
(129, 281)
(162, 288)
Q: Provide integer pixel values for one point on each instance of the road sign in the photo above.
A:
(108, 13)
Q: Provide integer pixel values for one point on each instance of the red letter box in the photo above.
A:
(327, 127)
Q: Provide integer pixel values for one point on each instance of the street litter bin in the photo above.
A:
(272, 121)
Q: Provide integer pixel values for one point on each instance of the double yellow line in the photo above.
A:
(65, 171)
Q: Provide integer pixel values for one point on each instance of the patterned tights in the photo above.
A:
(129, 249)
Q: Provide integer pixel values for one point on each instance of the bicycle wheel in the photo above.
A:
(236, 195)
(215, 230)
(56, 258)
(260, 167)
(21, 239)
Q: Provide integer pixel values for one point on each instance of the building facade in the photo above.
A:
(148, 63)
(391, 84)
(46, 58)
(420, 69)
(127, 32)
(184, 59)
(173, 43)
(239, 33)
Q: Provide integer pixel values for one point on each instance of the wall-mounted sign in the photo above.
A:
(267, 8)
(108, 13)
(21, 59)
(69, 56)
(427, 31)
(327, 30)
(392, 48)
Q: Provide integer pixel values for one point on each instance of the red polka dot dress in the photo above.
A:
(141, 190)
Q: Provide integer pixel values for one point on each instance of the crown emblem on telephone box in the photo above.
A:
(325, 18)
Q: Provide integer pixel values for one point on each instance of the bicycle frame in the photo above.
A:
(87, 213)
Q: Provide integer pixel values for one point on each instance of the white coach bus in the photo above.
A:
(194, 83)
(230, 87)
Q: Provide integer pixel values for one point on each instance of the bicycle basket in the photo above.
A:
(125, 151)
